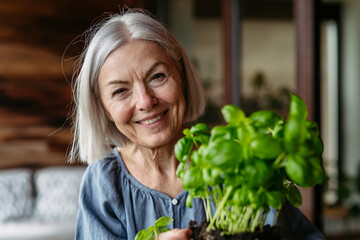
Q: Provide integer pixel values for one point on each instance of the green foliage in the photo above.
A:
(154, 231)
(250, 164)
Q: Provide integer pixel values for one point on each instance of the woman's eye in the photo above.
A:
(157, 79)
(157, 76)
(120, 91)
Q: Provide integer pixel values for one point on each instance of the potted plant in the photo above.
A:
(248, 166)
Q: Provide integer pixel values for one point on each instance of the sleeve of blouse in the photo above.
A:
(294, 225)
(98, 208)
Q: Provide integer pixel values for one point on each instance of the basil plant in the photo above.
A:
(250, 164)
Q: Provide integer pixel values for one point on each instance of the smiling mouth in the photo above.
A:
(152, 120)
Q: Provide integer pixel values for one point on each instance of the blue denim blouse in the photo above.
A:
(114, 205)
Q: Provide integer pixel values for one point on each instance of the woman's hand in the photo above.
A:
(176, 234)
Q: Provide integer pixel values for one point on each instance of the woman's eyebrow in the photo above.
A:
(148, 72)
(116, 82)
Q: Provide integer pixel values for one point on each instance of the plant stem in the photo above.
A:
(276, 217)
(157, 232)
(219, 208)
(205, 207)
(245, 221)
(277, 162)
(209, 208)
(263, 219)
(255, 221)
(194, 141)
(237, 227)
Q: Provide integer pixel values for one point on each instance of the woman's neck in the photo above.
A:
(161, 158)
(153, 167)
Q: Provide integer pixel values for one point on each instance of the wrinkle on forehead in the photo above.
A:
(130, 56)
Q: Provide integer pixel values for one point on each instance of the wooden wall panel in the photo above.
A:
(35, 93)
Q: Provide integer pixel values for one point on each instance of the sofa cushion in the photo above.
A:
(34, 230)
(16, 194)
(57, 191)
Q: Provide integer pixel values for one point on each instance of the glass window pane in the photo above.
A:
(267, 58)
(200, 34)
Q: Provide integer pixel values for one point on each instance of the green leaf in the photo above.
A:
(140, 235)
(298, 170)
(297, 108)
(157, 232)
(145, 234)
(275, 199)
(193, 178)
(317, 170)
(293, 195)
(316, 144)
(257, 173)
(187, 132)
(279, 130)
(189, 201)
(295, 127)
(163, 222)
(295, 133)
(264, 120)
(240, 197)
(256, 199)
(232, 114)
(217, 175)
(235, 179)
(164, 230)
(244, 133)
(222, 132)
(304, 151)
(202, 138)
(180, 169)
(313, 140)
(183, 148)
(212, 176)
(196, 158)
(312, 127)
(200, 128)
(266, 147)
(150, 232)
(223, 154)
(207, 177)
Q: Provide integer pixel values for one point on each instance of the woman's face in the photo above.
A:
(141, 91)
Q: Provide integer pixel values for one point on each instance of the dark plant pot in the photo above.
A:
(200, 233)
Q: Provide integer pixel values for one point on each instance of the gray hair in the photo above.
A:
(94, 134)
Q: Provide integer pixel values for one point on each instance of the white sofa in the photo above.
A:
(39, 204)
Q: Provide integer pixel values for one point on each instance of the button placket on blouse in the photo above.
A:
(175, 210)
(174, 202)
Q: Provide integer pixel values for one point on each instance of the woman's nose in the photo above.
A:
(145, 100)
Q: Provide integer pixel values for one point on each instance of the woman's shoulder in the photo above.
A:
(101, 198)
(106, 170)
(109, 163)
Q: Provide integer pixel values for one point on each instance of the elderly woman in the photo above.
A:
(135, 90)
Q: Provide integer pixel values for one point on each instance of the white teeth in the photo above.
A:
(149, 121)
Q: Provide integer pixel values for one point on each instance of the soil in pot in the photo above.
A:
(200, 233)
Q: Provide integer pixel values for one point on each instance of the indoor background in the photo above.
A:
(251, 53)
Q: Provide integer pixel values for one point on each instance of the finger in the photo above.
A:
(189, 233)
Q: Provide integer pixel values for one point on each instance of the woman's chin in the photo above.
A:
(156, 141)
